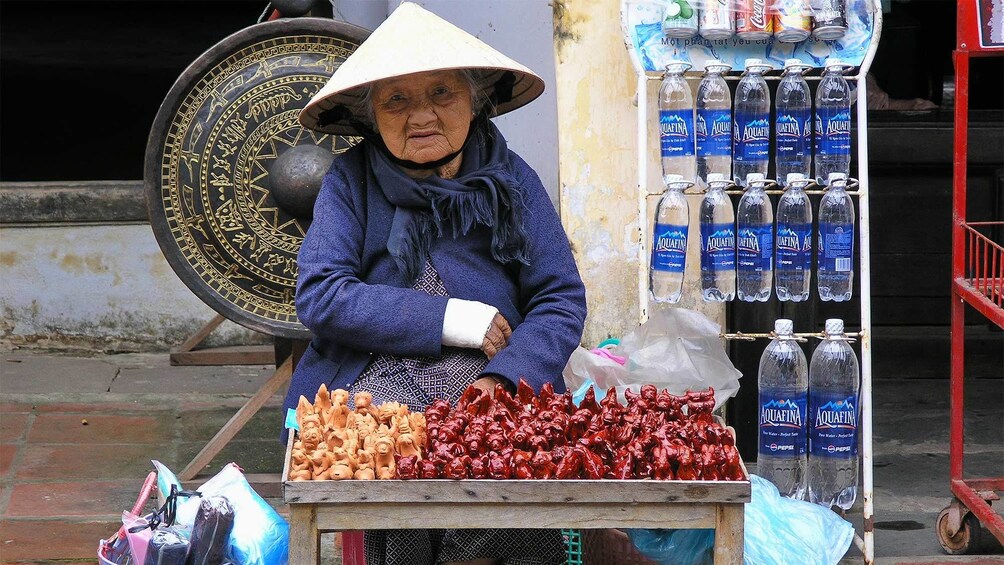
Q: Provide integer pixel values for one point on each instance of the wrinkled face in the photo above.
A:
(423, 117)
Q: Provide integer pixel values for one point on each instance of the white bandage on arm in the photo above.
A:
(466, 322)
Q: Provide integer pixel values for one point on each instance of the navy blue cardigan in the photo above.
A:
(352, 296)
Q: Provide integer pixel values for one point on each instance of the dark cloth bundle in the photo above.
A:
(167, 547)
(211, 531)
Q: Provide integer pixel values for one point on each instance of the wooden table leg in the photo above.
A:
(729, 534)
(304, 538)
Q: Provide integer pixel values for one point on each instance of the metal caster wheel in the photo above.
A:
(966, 538)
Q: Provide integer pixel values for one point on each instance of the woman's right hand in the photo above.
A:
(497, 336)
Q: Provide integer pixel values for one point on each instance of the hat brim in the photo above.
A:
(335, 113)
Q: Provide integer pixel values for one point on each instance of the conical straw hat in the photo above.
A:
(414, 40)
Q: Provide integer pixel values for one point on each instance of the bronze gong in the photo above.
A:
(231, 177)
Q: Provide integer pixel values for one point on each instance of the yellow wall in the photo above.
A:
(597, 157)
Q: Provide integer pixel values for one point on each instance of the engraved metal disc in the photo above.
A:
(220, 131)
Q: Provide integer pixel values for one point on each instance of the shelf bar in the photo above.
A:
(771, 335)
(864, 255)
(642, 199)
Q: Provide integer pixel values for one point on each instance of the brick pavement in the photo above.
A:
(74, 450)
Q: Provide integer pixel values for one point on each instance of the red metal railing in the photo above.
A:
(984, 273)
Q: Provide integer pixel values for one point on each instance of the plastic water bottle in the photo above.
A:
(833, 420)
(751, 133)
(836, 241)
(718, 242)
(669, 250)
(783, 382)
(714, 123)
(793, 125)
(833, 122)
(676, 123)
(754, 242)
(793, 241)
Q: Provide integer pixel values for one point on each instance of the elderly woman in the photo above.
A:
(435, 259)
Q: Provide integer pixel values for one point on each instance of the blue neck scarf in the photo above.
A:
(483, 193)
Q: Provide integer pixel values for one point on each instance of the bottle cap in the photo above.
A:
(794, 177)
(672, 178)
(754, 177)
(836, 65)
(795, 64)
(836, 177)
(756, 65)
(784, 326)
(834, 326)
(716, 66)
(717, 179)
(677, 67)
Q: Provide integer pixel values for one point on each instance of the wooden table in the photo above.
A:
(325, 506)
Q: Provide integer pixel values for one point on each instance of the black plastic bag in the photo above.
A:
(167, 547)
(211, 531)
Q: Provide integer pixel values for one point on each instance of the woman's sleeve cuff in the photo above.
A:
(466, 322)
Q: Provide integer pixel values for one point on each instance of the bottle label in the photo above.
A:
(782, 424)
(836, 247)
(833, 425)
(669, 251)
(755, 248)
(718, 247)
(794, 247)
(833, 131)
(793, 130)
(714, 133)
(676, 133)
(752, 136)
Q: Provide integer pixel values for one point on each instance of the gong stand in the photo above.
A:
(231, 178)
(186, 354)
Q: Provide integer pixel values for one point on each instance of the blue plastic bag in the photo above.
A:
(678, 547)
(779, 531)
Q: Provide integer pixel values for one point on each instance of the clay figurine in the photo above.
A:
(300, 468)
(340, 413)
(364, 405)
(364, 466)
(320, 461)
(341, 466)
(385, 466)
(322, 405)
(388, 410)
(406, 446)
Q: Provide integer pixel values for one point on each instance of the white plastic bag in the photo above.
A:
(676, 349)
(259, 536)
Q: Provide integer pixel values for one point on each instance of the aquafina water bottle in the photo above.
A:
(833, 122)
(793, 125)
(718, 242)
(833, 420)
(714, 123)
(783, 383)
(751, 131)
(793, 241)
(676, 123)
(836, 241)
(669, 250)
(754, 242)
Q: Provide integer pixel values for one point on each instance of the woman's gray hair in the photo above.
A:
(363, 109)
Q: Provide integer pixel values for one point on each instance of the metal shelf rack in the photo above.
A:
(868, 44)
